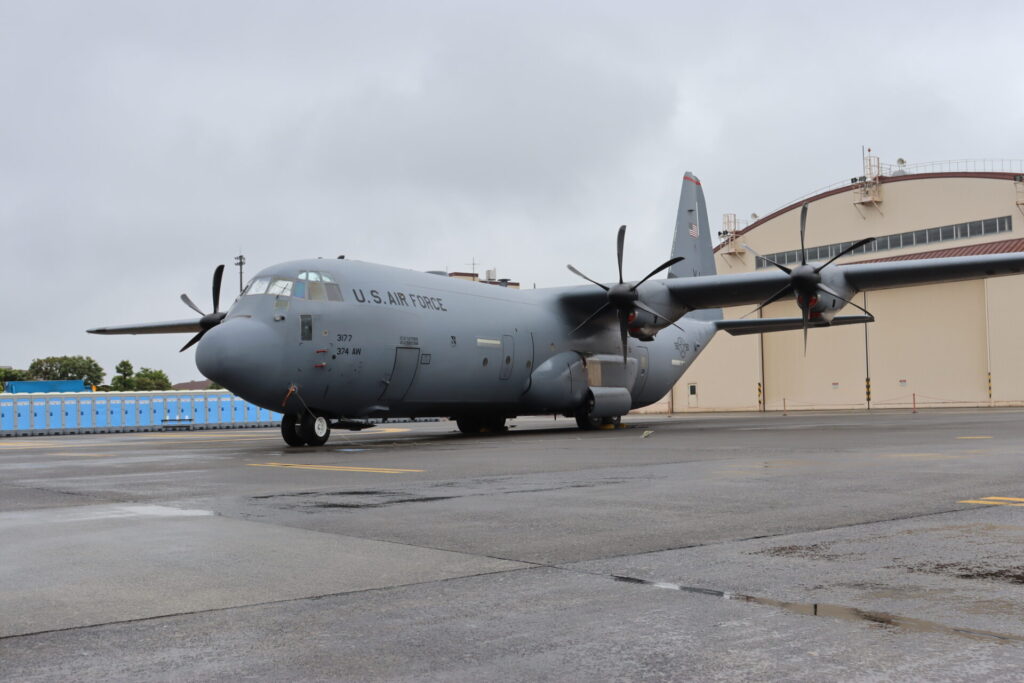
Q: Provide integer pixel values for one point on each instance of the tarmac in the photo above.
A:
(869, 545)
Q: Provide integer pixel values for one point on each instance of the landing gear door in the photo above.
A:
(407, 359)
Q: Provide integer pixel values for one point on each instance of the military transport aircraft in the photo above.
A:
(332, 343)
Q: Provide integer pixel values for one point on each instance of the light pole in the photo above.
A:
(239, 261)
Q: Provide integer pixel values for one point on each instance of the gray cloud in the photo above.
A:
(142, 143)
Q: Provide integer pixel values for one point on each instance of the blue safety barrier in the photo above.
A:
(138, 411)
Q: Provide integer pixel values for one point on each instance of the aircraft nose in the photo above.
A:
(241, 355)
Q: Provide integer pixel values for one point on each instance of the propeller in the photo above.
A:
(209, 320)
(623, 297)
(805, 279)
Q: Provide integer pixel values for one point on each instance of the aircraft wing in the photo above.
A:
(191, 325)
(713, 291)
(763, 325)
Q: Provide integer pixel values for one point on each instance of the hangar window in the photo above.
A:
(965, 230)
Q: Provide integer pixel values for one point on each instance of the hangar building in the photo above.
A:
(955, 344)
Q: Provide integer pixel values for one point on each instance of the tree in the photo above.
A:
(147, 379)
(11, 375)
(123, 380)
(67, 367)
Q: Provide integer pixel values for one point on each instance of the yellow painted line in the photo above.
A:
(333, 468)
(974, 437)
(1016, 500)
(992, 502)
(85, 455)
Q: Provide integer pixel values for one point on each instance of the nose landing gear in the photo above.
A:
(307, 430)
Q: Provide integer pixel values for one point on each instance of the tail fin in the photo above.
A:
(692, 240)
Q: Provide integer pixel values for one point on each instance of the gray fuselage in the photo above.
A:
(401, 343)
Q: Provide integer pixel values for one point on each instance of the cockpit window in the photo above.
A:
(257, 286)
(312, 285)
(317, 286)
(280, 286)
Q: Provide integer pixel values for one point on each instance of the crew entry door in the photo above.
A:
(407, 359)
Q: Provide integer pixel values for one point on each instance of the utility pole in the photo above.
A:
(239, 261)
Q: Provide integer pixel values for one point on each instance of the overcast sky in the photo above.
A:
(143, 143)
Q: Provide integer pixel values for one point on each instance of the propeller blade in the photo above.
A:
(592, 316)
(788, 289)
(621, 243)
(578, 273)
(623, 331)
(806, 315)
(188, 302)
(192, 341)
(781, 267)
(218, 273)
(803, 227)
(850, 248)
(667, 264)
(641, 305)
(831, 292)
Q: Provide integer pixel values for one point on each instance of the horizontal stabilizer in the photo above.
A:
(762, 325)
(171, 326)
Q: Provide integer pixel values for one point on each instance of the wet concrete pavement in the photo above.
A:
(718, 547)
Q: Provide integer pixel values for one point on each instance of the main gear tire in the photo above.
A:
(290, 430)
(314, 429)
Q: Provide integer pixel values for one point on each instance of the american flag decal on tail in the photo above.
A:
(693, 229)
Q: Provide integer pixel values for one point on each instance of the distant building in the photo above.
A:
(490, 279)
(955, 344)
(46, 386)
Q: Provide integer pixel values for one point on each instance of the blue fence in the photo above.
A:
(141, 411)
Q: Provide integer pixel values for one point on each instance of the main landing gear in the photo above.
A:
(587, 422)
(305, 430)
(494, 424)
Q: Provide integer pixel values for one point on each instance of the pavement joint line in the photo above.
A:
(214, 610)
(332, 468)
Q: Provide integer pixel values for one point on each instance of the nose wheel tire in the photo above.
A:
(314, 429)
(290, 430)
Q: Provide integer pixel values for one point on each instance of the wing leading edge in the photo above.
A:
(168, 327)
(712, 291)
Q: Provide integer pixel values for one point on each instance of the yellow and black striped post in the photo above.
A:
(989, 386)
(867, 391)
(760, 397)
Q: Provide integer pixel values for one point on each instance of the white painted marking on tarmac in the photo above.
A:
(94, 513)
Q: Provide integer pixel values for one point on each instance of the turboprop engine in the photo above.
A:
(820, 290)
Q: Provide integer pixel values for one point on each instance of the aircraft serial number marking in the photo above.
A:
(407, 299)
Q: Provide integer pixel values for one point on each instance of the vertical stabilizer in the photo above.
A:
(692, 239)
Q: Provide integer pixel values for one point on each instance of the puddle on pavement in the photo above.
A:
(818, 609)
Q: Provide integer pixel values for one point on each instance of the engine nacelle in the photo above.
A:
(643, 325)
(824, 305)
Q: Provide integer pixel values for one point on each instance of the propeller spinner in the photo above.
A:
(209, 320)
(623, 297)
(805, 280)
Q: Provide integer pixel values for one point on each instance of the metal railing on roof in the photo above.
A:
(948, 166)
